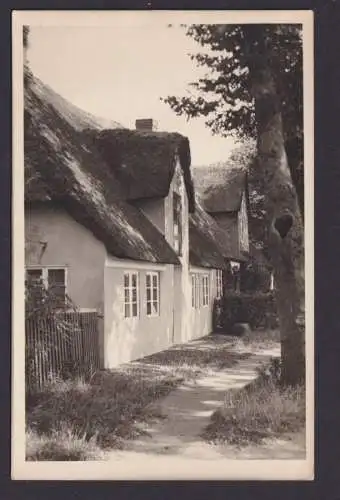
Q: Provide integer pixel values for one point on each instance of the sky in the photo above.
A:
(121, 72)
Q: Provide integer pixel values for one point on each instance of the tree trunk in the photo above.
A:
(284, 227)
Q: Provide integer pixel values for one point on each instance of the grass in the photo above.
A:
(261, 339)
(60, 445)
(257, 412)
(76, 420)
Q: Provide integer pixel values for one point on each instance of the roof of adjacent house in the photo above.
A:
(61, 166)
(207, 248)
(145, 161)
(220, 186)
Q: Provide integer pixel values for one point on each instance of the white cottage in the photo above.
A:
(112, 221)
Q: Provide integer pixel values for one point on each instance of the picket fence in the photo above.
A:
(60, 346)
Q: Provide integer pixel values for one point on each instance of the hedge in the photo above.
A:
(257, 309)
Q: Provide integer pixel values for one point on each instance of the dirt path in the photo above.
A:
(186, 412)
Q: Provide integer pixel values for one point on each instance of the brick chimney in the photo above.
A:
(145, 124)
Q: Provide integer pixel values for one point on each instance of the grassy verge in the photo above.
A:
(60, 445)
(262, 410)
(76, 420)
(261, 339)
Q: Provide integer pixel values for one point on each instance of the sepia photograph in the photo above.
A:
(163, 245)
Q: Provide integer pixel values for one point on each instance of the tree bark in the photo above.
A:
(284, 227)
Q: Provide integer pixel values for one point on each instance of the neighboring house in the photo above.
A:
(112, 220)
(223, 190)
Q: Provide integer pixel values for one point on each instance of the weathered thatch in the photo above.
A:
(220, 187)
(207, 240)
(60, 166)
(76, 117)
(145, 162)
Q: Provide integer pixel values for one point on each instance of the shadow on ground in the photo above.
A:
(187, 410)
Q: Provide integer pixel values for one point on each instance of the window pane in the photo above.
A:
(126, 280)
(155, 280)
(34, 278)
(127, 311)
(56, 283)
(126, 295)
(134, 295)
(134, 309)
(134, 280)
(148, 294)
(148, 308)
(148, 280)
(56, 276)
(154, 308)
(58, 292)
(34, 274)
(154, 294)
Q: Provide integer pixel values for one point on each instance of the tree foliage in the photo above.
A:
(223, 97)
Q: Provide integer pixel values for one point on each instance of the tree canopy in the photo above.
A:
(222, 96)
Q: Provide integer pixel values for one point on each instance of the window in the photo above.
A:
(131, 295)
(205, 295)
(195, 291)
(56, 282)
(152, 294)
(219, 283)
(177, 209)
(34, 276)
(52, 278)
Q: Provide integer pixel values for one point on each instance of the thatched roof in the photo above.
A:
(207, 241)
(145, 161)
(220, 187)
(60, 166)
(76, 117)
(94, 173)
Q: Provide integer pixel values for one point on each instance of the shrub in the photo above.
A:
(255, 277)
(43, 309)
(257, 309)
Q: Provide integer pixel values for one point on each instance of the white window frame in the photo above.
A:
(205, 290)
(130, 289)
(195, 291)
(219, 283)
(44, 273)
(152, 274)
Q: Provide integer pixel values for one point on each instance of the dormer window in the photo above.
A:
(177, 227)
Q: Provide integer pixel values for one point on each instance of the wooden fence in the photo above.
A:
(62, 345)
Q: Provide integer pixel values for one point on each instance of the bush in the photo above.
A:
(255, 278)
(256, 309)
(44, 317)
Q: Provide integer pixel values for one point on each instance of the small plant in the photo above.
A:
(61, 445)
(271, 372)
